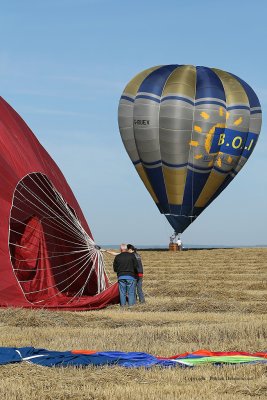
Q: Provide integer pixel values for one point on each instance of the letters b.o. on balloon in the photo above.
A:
(188, 131)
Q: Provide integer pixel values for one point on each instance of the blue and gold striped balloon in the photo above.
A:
(188, 131)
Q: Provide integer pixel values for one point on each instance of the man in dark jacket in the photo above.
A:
(126, 267)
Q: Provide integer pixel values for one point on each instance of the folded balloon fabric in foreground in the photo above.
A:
(82, 358)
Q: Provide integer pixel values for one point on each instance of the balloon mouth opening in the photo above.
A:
(52, 256)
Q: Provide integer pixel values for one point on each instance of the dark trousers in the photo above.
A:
(139, 290)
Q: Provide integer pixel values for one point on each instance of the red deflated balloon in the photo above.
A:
(47, 254)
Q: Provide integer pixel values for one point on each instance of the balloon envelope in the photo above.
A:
(188, 131)
(47, 254)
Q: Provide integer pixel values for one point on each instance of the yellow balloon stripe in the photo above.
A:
(135, 83)
(234, 91)
(181, 82)
(175, 182)
(214, 181)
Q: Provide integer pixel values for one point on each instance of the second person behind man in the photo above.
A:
(139, 278)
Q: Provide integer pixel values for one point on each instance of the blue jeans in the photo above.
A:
(127, 288)
(139, 290)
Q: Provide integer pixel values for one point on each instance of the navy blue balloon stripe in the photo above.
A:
(160, 163)
(238, 107)
(208, 84)
(196, 103)
(144, 96)
(154, 82)
(127, 98)
(217, 103)
(178, 98)
(156, 179)
(256, 112)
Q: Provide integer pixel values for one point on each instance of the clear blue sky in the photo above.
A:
(63, 66)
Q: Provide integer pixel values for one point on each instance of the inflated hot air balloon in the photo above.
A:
(48, 258)
(188, 131)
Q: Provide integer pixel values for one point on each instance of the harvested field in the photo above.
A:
(209, 299)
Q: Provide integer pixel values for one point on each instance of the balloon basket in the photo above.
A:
(173, 247)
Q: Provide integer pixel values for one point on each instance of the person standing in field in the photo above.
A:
(139, 283)
(179, 244)
(126, 266)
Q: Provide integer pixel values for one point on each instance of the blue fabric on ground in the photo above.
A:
(129, 360)
(9, 355)
(193, 356)
(50, 358)
(66, 358)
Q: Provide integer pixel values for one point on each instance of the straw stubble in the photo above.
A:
(211, 299)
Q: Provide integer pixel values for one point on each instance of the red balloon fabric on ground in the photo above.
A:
(48, 257)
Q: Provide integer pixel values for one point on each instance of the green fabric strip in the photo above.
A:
(219, 359)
